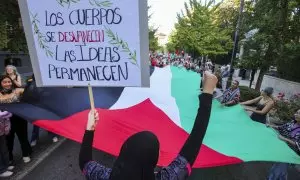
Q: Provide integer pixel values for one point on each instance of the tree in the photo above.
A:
(12, 36)
(226, 15)
(288, 64)
(276, 32)
(197, 30)
(153, 40)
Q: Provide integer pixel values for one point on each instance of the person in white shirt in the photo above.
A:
(225, 75)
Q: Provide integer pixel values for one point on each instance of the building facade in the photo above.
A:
(20, 60)
(162, 39)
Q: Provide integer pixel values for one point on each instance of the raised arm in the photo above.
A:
(18, 81)
(85, 154)
(192, 145)
(256, 100)
(180, 167)
(90, 168)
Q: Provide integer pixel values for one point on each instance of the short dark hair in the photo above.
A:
(238, 83)
(268, 90)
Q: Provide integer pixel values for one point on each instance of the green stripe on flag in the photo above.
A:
(185, 88)
(230, 130)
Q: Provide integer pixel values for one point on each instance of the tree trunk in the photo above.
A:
(253, 72)
(268, 58)
(283, 27)
(260, 78)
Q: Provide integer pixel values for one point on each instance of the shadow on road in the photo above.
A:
(62, 164)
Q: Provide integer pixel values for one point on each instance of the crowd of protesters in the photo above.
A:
(258, 107)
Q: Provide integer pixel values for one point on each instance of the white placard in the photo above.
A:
(77, 42)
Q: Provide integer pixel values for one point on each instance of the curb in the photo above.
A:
(39, 159)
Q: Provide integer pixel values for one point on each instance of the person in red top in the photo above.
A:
(153, 62)
(185, 64)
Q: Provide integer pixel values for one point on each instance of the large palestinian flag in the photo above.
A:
(168, 108)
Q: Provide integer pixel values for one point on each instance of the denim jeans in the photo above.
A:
(279, 171)
(36, 133)
(4, 156)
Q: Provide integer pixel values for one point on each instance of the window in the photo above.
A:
(13, 61)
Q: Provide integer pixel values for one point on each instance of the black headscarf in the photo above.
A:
(138, 158)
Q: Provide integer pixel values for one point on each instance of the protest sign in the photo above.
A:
(81, 42)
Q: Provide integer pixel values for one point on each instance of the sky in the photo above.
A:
(165, 13)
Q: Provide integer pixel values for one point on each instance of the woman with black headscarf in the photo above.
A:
(139, 153)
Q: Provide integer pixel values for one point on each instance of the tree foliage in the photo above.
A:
(153, 40)
(12, 36)
(198, 30)
(289, 63)
(226, 15)
(277, 37)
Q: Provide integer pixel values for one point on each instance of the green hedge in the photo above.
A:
(248, 93)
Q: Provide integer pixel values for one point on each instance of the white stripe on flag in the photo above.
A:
(159, 93)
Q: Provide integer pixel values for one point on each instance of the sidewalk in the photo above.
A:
(243, 82)
(44, 147)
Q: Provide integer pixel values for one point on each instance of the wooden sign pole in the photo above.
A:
(91, 97)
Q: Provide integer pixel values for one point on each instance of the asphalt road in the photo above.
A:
(62, 164)
(44, 145)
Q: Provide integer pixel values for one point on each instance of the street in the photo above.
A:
(44, 145)
(55, 161)
(59, 161)
(62, 164)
